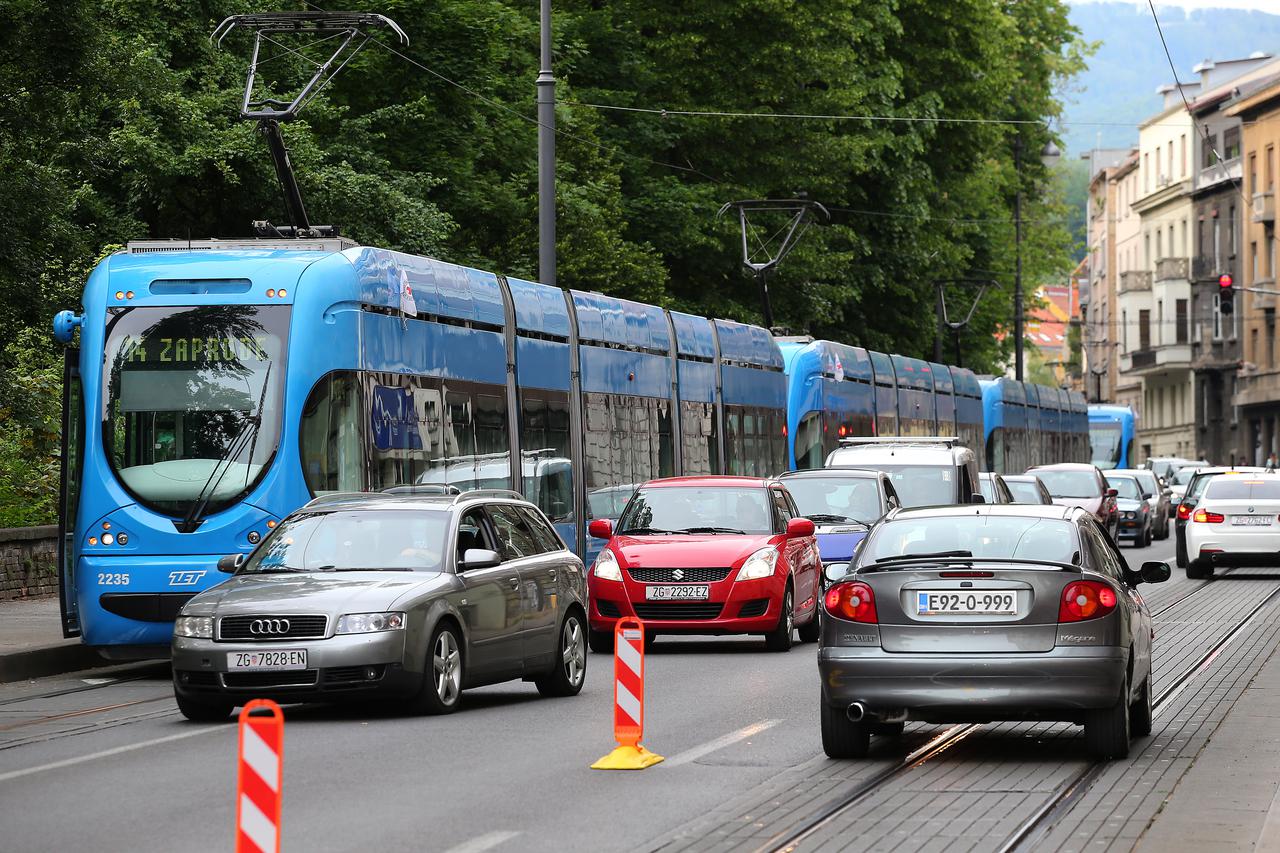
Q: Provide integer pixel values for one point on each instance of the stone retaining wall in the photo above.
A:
(28, 562)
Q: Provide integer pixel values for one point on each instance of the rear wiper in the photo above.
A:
(711, 530)
(903, 557)
(642, 531)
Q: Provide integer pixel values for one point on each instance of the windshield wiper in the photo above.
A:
(642, 531)
(248, 435)
(928, 556)
(277, 570)
(711, 530)
(828, 517)
(373, 569)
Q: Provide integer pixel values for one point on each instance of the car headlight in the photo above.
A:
(196, 627)
(759, 565)
(367, 623)
(1128, 515)
(606, 567)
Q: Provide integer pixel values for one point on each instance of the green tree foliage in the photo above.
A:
(117, 121)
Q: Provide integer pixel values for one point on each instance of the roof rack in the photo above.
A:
(441, 489)
(338, 497)
(945, 440)
(490, 493)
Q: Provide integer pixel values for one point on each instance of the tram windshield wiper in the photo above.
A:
(711, 530)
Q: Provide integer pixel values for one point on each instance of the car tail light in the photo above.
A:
(853, 601)
(1184, 512)
(1086, 600)
(1205, 517)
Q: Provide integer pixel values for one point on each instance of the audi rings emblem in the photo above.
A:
(268, 627)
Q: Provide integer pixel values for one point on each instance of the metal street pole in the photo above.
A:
(546, 86)
(1017, 269)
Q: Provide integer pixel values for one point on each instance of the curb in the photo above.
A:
(49, 660)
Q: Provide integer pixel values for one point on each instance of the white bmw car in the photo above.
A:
(1236, 523)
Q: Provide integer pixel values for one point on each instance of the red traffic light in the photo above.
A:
(1224, 281)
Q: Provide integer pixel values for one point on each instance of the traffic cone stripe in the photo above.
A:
(256, 827)
(261, 759)
(629, 655)
(628, 707)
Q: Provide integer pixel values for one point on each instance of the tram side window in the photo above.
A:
(699, 443)
(755, 444)
(476, 451)
(329, 436)
(626, 441)
(809, 441)
(545, 452)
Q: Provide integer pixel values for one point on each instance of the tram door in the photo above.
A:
(72, 470)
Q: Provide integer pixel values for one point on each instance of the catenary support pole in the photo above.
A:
(546, 86)
(1017, 269)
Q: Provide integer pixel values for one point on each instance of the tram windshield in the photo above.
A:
(1104, 437)
(191, 401)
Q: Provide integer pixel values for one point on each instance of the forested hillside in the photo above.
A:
(117, 121)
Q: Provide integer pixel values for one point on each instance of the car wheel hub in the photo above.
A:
(447, 665)
(574, 653)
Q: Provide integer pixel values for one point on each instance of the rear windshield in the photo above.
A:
(1126, 487)
(922, 485)
(1183, 476)
(1023, 493)
(1069, 484)
(988, 536)
(698, 509)
(1242, 489)
(1196, 489)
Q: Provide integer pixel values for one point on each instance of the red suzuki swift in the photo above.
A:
(707, 555)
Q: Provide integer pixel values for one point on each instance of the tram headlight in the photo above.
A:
(367, 623)
(196, 627)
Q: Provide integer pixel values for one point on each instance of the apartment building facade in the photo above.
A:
(1258, 385)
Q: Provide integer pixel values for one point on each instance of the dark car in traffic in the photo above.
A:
(1081, 484)
(1136, 521)
(978, 614)
(842, 503)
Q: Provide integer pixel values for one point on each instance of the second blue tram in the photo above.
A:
(1111, 431)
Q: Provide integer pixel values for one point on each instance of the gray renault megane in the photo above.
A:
(984, 613)
(410, 596)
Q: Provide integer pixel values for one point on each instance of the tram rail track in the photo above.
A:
(1063, 797)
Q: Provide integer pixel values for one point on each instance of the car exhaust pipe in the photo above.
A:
(855, 712)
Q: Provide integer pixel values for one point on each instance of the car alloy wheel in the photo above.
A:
(446, 666)
(574, 651)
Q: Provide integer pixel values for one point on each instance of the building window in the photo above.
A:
(1146, 172)
(1217, 259)
(1269, 321)
(1124, 331)
(1159, 322)
(1180, 331)
(1231, 143)
(1144, 329)
(1231, 231)
(1206, 153)
(1268, 172)
(1253, 262)
(1253, 173)
(1217, 317)
(1182, 158)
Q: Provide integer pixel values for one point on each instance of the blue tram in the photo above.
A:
(1111, 431)
(220, 385)
(1027, 424)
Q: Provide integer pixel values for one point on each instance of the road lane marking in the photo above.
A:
(719, 743)
(107, 753)
(480, 843)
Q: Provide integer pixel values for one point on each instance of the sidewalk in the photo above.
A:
(1230, 798)
(32, 645)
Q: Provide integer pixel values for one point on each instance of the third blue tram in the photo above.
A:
(1111, 436)
(1027, 424)
(220, 385)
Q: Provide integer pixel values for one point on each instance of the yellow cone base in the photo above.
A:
(627, 758)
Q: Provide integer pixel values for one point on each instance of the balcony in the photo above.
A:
(1135, 280)
(1171, 269)
(1155, 359)
(1219, 172)
(1264, 207)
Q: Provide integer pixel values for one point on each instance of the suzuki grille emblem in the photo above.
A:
(264, 627)
(678, 574)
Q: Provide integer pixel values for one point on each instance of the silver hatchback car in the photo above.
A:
(993, 612)
(409, 596)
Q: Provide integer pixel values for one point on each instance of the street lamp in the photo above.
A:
(1048, 155)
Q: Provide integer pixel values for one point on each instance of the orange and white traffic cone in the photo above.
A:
(260, 776)
(628, 700)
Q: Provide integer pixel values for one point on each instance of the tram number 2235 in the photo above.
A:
(112, 579)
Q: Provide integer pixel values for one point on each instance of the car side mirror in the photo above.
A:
(480, 558)
(834, 572)
(1111, 493)
(1146, 496)
(230, 563)
(798, 528)
(892, 503)
(1154, 571)
(601, 528)
(977, 498)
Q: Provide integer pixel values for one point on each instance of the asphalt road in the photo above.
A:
(113, 766)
